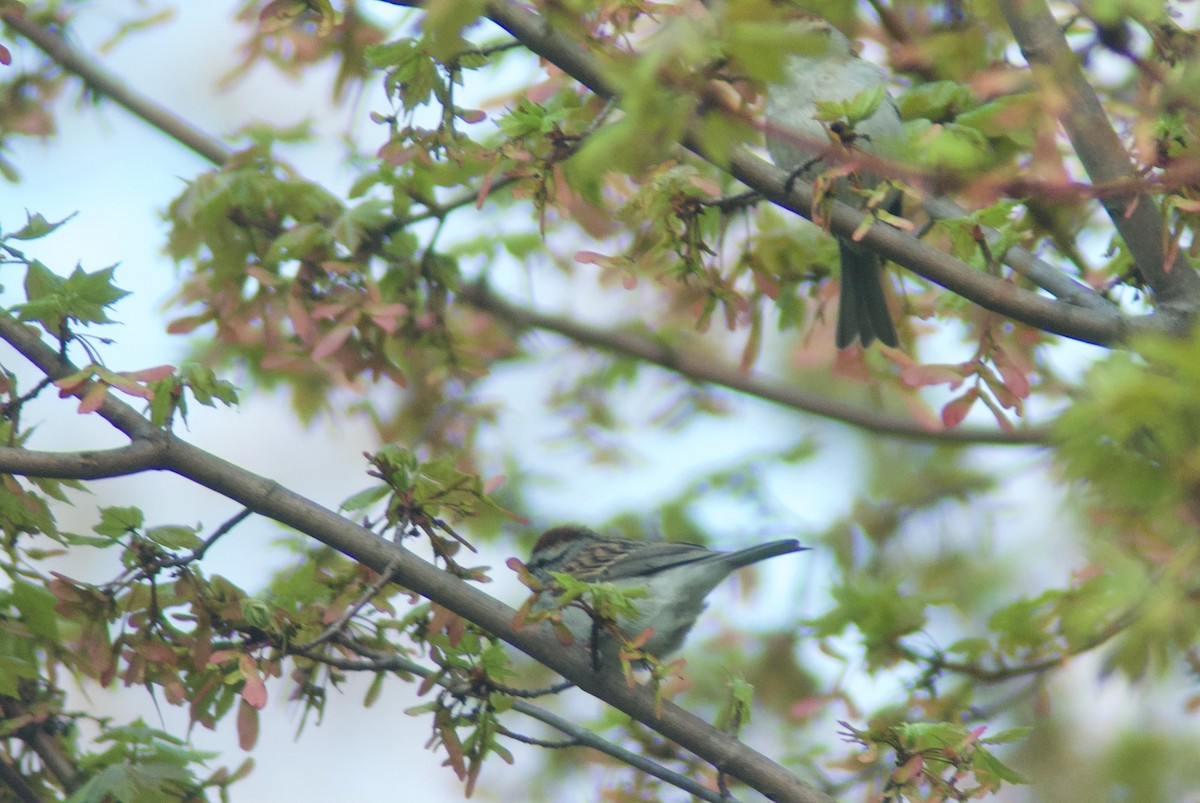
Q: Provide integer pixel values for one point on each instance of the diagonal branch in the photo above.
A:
(1046, 276)
(705, 369)
(1138, 220)
(805, 401)
(274, 501)
(48, 746)
(1090, 325)
(105, 83)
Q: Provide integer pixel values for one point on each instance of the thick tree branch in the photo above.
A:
(271, 499)
(706, 369)
(1138, 220)
(11, 777)
(1090, 325)
(1104, 326)
(105, 83)
(690, 367)
(1094, 323)
(132, 459)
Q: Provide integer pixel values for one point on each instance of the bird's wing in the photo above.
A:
(654, 557)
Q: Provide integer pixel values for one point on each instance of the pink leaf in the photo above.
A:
(93, 398)
(954, 412)
(247, 725)
(254, 691)
(331, 341)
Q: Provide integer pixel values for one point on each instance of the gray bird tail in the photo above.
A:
(763, 551)
(862, 307)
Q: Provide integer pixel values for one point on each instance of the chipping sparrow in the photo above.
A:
(832, 72)
(676, 577)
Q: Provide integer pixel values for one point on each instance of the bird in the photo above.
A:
(675, 576)
(832, 72)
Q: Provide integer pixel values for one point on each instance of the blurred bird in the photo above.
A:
(832, 72)
(675, 576)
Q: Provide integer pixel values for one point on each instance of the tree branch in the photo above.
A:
(623, 343)
(374, 661)
(132, 459)
(708, 370)
(49, 749)
(271, 499)
(1099, 326)
(105, 83)
(1054, 281)
(11, 777)
(1099, 149)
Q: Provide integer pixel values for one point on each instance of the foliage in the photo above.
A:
(616, 174)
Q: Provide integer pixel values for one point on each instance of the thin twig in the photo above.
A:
(105, 83)
(373, 660)
(271, 499)
(366, 596)
(196, 554)
(816, 403)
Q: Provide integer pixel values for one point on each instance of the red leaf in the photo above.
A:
(919, 376)
(331, 341)
(485, 187)
(592, 258)
(767, 285)
(254, 691)
(151, 374)
(187, 324)
(909, 769)
(247, 725)
(387, 316)
(5, 56)
(302, 322)
(93, 399)
(396, 153)
(69, 384)
(1014, 378)
(808, 707)
(954, 412)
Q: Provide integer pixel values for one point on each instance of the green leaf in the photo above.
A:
(257, 612)
(986, 765)
(13, 670)
(36, 606)
(174, 536)
(37, 226)
(1010, 735)
(939, 101)
(365, 498)
(118, 521)
(81, 297)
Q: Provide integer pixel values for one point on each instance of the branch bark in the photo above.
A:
(1138, 220)
(1101, 326)
(132, 459)
(703, 369)
(72, 59)
(271, 499)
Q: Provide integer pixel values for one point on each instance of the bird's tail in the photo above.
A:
(862, 307)
(763, 551)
